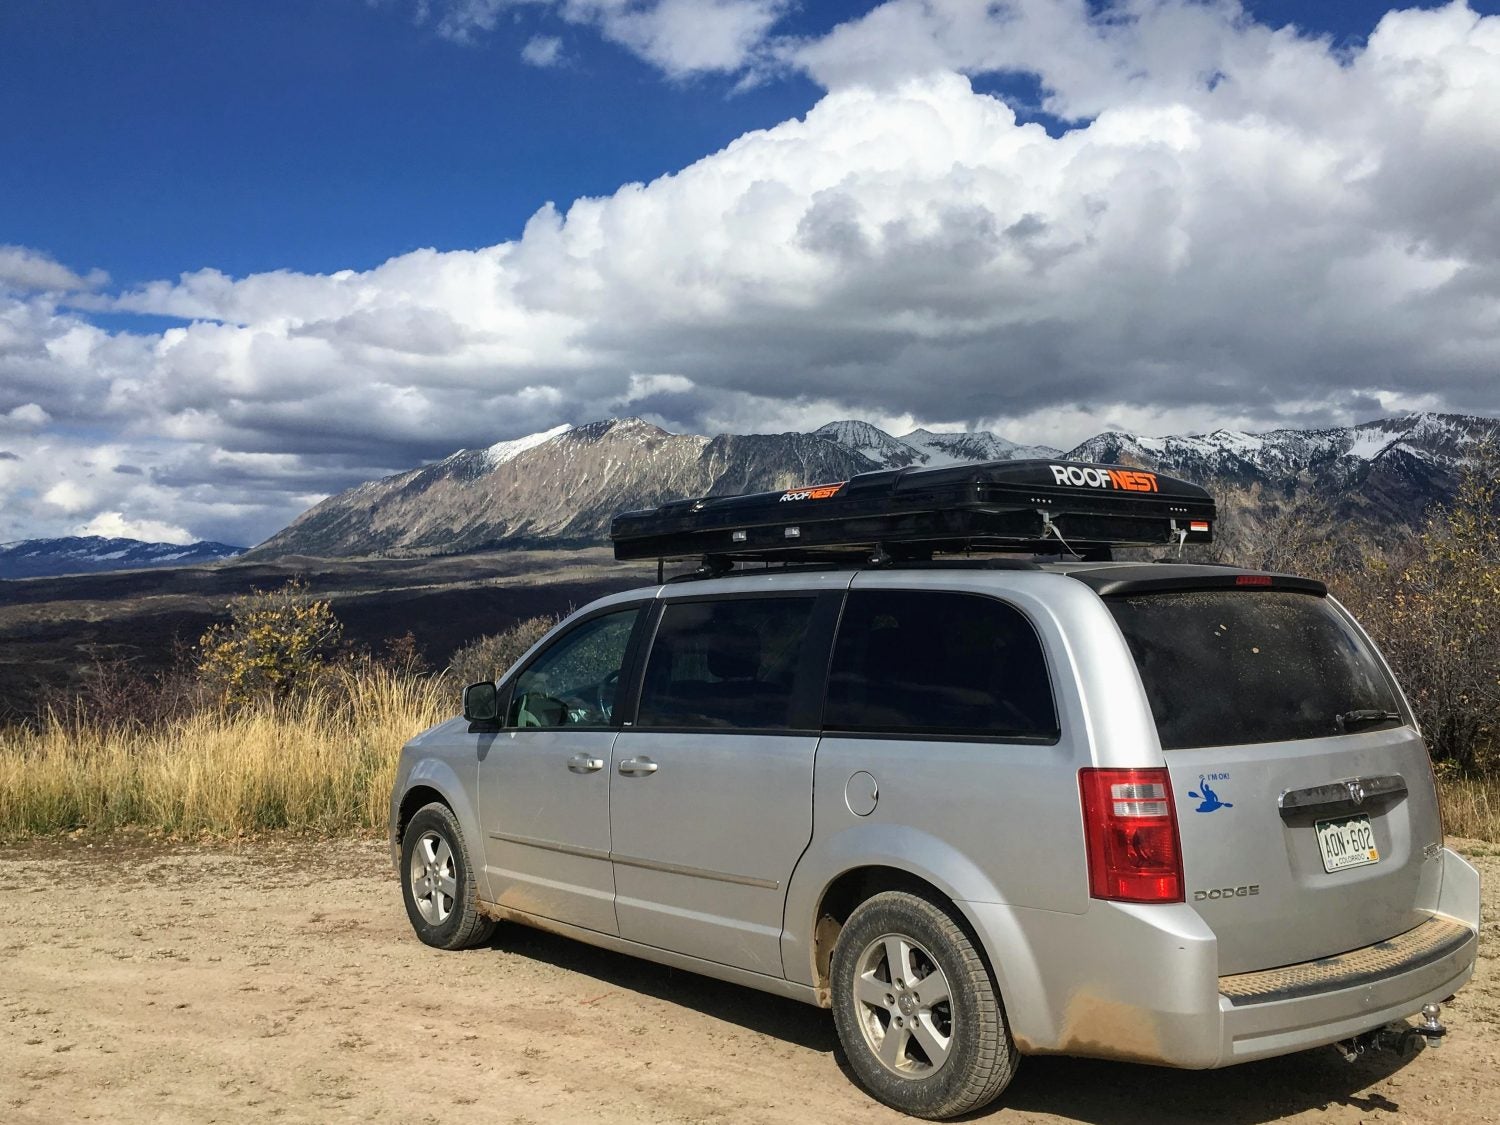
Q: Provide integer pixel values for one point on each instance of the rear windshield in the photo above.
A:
(1223, 667)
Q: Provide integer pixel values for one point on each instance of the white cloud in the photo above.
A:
(1250, 228)
(68, 496)
(680, 37)
(25, 270)
(26, 416)
(542, 50)
(114, 525)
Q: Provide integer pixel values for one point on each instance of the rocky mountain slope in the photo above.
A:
(563, 486)
(91, 554)
(560, 491)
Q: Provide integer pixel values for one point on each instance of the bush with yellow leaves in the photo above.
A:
(275, 643)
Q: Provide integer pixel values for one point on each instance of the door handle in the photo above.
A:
(582, 763)
(636, 766)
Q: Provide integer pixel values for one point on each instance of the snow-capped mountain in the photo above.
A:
(1388, 470)
(89, 554)
(563, 486)
(559, 488)
(926, 449)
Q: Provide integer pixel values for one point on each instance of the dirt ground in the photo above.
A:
(280, 982)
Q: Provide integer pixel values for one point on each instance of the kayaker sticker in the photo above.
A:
(1209, 801)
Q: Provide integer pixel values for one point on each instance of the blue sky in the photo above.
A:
(1046, 218)
(149, 139)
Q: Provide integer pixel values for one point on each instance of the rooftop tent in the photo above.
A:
(1038, 507)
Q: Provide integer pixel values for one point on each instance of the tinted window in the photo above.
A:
(572, 683)
(1222, 667)
(731, 663)
(929, 662)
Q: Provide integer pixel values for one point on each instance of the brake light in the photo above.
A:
(1252, 580)
(1130, 831)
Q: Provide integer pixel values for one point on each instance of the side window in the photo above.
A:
(731, 663)
(573, 682)
(935, 662)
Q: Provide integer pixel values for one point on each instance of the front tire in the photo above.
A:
(437, 882)
(917, 1013)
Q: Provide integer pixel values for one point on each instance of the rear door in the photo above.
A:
(1304, 797)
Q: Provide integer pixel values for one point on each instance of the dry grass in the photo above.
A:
(1471, 807)
(321, 763)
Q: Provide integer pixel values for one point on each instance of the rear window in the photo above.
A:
(1224, 667)
(917, 663)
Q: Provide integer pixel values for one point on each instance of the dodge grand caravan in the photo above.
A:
(978, 807)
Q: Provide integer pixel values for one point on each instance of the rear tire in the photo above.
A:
(437, 882)
(917, 1013)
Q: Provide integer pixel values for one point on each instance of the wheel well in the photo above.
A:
(415, 798)
(848, 891)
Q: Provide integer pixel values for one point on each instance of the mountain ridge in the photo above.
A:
(96, 554)
(561, 487)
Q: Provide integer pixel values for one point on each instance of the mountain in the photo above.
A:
(563, 486)
(925, 449)
(1387, 471)
(560, 490)
(981, 445)
(90, 554)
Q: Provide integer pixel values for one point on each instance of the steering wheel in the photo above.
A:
(606, 694)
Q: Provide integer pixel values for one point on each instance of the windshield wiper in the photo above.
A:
(1351, 719)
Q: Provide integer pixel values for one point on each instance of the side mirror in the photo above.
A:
(482, 703)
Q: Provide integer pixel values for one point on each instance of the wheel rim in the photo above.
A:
(904, 1006)
(434, 878)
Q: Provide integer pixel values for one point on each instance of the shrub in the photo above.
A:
(1435, 611)
(275, 643)
(489, 656)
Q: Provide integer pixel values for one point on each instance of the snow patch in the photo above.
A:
(503, 451)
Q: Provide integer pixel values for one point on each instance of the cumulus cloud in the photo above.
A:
(114, 525)
(1244, 227)
(27, 416)
(25, 270)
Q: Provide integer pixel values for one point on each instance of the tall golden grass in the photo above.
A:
(1471, 807)
(322, 762)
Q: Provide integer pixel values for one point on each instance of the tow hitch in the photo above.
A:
(1404, 1040)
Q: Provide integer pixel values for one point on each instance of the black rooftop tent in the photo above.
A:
(1034, 506)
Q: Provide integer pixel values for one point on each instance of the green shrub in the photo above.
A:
(488, 657)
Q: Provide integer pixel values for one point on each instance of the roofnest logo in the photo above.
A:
(1126, 480)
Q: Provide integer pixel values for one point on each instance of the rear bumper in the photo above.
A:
(1140, 982)
(1301, 1006)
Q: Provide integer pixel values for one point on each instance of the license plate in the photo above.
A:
(1347, 842)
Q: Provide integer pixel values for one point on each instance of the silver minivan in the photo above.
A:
(1172, 813)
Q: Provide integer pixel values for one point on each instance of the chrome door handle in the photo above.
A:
(582, 763)
(637, 766)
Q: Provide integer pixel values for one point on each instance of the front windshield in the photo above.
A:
(1224, 667)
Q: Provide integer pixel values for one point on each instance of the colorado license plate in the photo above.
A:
(1347, 842)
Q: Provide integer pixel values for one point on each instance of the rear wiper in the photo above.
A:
(1351, 719)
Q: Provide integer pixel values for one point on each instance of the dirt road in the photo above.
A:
(279, 982)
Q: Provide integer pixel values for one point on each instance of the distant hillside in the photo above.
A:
(562, 487)
(91, 554)
(562, 491)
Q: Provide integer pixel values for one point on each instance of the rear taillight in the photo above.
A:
(1130, 830)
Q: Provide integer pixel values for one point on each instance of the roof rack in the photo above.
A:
(1030, 507)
